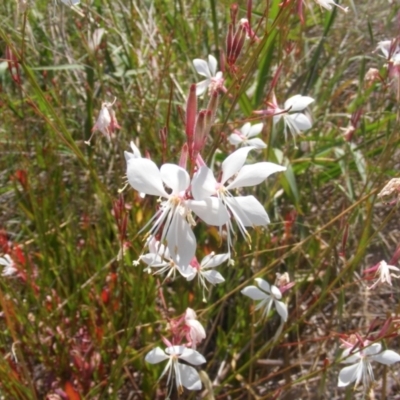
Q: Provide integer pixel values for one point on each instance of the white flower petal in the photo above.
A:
(144, 176)
(387, 357)
(192, 356)
(298, 103)
(350, 374)
(211, 210)
(6, 261)
(254, 174)
(264, 285)
(248, 211)
(282, 309)
(255, 130)
(155, 356)
(214, 277)
(213, 260)
(257, 143)
(245, 129)
(189, 377)
(203, 183)
(175, 177)
(254, 293)
(276, 292)
(375, 348)
(212, 64)
(181, 241)
(233, 163)
(300, 121)
(201, 67)
(235, 139)
(202, 86)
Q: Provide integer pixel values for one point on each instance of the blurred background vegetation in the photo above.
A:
(78, 320)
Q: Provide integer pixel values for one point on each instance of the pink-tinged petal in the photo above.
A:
(264, 285)
(214, 277)
(233, 163)
(189, 377)
(276, 292)
(248, 211)
(202, 86)
(257, 143)
(155, 356)
(211, 210)
(387, 357)
(197, 332)
(144, 176)
(255, 130)
(212, 64)
(281, 309)
(213, 260)
(192, 357)
(203, 184)
(175, 177)
(300, 121)
(201, 67)
(254, 174)
(235, 139)
(181, 240)
(350, 374)
(254, 293)
(298, 103)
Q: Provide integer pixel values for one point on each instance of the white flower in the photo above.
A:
(174, 215)
(329, 3)
(205, 270)
(185, 375)
(390, 50)
(196, 331)
(384, 271)
(214, 80)
(269, 295)
(296, 122)
(246, 210)
(159, 257)
(361, 370)
(247, 131)
(9, 266)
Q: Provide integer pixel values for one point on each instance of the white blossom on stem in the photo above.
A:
(9, 266)
(245, 136)
(383, 272)
(246, 210)
(205, 271)
(214, 80)
(174, 215)
(160, 259)
(361, 369)
(268, 295)
(328, 4)
(185, 375)
(294, 120)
